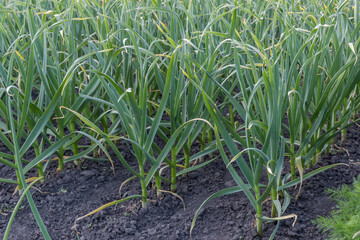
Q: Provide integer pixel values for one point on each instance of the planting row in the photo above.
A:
(265, 84)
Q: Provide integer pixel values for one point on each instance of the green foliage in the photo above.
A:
(343, 222)
(256, 80)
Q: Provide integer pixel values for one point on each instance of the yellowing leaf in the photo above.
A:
(20, 55)
(32, 179)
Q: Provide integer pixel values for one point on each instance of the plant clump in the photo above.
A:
(344, 221)
(263, 85)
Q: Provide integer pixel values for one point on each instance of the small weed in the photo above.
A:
(5, 209)
(334, 151)
(344, 221)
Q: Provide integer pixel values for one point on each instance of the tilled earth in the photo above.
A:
(78, 190)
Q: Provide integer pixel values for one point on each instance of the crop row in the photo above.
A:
(260, 84)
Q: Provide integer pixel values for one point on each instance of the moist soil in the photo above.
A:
(76, 191)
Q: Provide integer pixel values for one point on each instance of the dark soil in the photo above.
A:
(77, 191)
